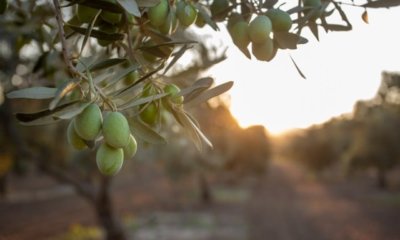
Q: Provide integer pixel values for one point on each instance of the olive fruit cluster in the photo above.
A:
(118, 142)
(258, 32)
(166, 17)
(149, 113)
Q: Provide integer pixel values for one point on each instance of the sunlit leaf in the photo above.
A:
(176, 57)
(213, 92)
(144, 132)
(61, 92)
(191, 129)
(196, 89)
(33, 93)
(130, 6)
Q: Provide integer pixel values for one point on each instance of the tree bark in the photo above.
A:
(105, 214)
(382, 181)
(205, 193)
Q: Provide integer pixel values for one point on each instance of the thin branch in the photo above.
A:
(67, 59)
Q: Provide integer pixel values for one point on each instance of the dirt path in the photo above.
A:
(289, 206)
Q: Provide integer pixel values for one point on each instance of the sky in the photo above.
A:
(341, 68)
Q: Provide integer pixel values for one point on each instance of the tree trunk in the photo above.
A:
(112, 227)
(382, 182)
(205, 193)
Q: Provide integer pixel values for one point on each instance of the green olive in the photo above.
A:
(260, 28)
(73, 138)
(88, 122)
(264, 51)
(186, 13)
(149, 113)
(131, 148)
(281, 21)
(109, 160)
(173, 91)
(158, 13)
(116, 130)
(240, 34)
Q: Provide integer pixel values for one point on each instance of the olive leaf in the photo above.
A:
(191, 128)
(289, 40)
(297, 68)
(71, 111)
(61, 92)
(144, 132)
(107, 63)
(121, 74)
(196, 89)
(33, 93)
(141, 101)
(130, 6)
(213, 92)
(97, 33)
(41, 117)
(382, 4)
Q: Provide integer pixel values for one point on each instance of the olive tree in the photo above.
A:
(99, 65)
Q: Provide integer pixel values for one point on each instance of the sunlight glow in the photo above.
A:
(340, 69)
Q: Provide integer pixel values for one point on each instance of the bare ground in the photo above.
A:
(283, 205)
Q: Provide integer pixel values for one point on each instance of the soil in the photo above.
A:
(283, 204)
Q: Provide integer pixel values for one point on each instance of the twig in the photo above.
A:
(67, 59)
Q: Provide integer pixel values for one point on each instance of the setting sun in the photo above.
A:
(340, 69)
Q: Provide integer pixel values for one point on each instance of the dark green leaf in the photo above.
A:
(89, 31)
(382, 4)
(297, 68)
(71, 111)
(102, 64)
(336, 27)
(32, 117)
(314, 29)
(33, 93)
(97, 34)
(288, 40)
